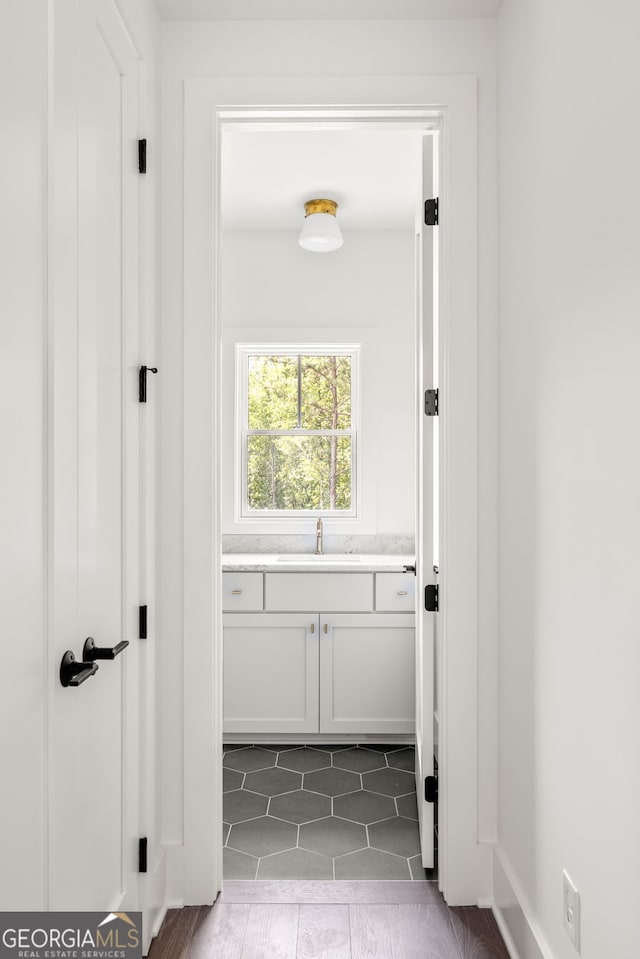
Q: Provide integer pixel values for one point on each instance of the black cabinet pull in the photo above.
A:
(73, 673)
(91, 652)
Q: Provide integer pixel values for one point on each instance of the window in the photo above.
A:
(298, 430)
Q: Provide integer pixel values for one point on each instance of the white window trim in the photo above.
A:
(243, 352)
(305, 340)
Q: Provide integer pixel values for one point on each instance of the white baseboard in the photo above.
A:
(504, 932)
(520, 931)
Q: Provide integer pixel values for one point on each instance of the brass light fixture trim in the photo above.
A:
(320, 206)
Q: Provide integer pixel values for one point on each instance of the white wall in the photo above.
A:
(369, 283)
(569, 81)
(372, 48)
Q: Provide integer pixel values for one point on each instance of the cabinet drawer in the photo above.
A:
(395, 592)
(242, 591)
(333, 592)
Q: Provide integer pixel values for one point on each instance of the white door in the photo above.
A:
(426, 355)
(94, 808)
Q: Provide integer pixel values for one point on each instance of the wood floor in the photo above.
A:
(315, 926)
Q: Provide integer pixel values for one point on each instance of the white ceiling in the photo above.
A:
(327, 9)
(372, 174)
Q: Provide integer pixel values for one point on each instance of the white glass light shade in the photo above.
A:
(320, 232)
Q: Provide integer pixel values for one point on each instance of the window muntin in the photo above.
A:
(298, 430)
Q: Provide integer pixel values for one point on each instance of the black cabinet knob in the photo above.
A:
(73, 673)
(91, 652)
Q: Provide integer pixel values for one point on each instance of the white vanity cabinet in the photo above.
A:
(320, 658)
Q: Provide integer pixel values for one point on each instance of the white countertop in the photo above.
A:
(309, 562)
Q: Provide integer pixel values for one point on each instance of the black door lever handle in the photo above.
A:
(91, 652)
(73, 673)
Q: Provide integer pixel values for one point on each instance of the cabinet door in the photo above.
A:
(270, 672)
(367, 673)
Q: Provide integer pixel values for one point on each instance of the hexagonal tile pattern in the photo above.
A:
(331, 782)
(363, 807)
(403, 759)
(407, 806)
(231, 780)
(359, 760)
(324, 812)
(417, 869)
(332, 837)
(273, 782)
(389, 782)
(236, 865)
(300, 806)
(371, 864)
(304, 760)
(397, 835)
(247, 760)
(295, 863)
(241, 805)
(261, 837)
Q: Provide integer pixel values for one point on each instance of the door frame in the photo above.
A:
(450, 103)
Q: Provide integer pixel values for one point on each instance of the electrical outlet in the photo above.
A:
(571, 909)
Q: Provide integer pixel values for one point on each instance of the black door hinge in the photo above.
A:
(142, 622)
(431, 789)
(142, 854)
(431, 402)
(431, 598)
(142, 381)
(431, 212)
(142, 156)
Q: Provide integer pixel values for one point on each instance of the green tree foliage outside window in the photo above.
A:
(299, 432)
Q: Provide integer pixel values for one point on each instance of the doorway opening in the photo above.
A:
(450, 104)
(329, 708)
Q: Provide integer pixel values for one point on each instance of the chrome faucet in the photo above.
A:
(319, 534)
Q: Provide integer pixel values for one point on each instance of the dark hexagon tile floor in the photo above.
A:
(325, 812)
(332, 837)
(304, 760)
(332, 782)
(300, 806)
(263, 836)
(360, 760)
(249, 759)
(272, 782)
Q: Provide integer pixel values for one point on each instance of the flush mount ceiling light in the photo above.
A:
(320, 232)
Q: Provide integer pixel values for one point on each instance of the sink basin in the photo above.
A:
(312, 558)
